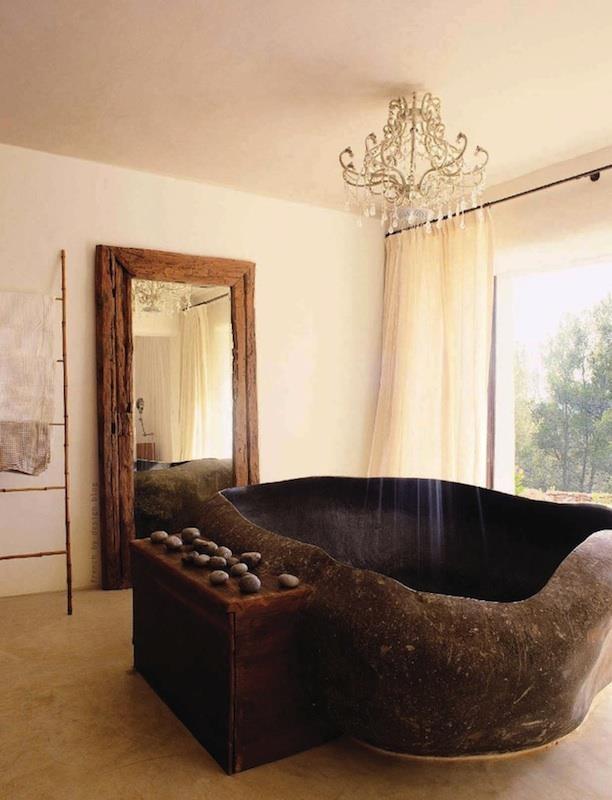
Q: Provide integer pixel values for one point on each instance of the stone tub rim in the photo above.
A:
(322, 552)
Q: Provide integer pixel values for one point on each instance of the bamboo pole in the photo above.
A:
(66, 451)
(33, 555)
(34, 489)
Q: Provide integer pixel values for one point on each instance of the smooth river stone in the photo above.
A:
(200, 560)
(217, 562)
(157, 537)
(249, 584)
(187, 558)
(218, 577)
(174, 543)
(251, 559)
(287, 581)
(233, 560)
(188, 535)
(237, 570)
(210, 548)
(224, 552)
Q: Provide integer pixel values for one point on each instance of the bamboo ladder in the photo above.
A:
(65, 487)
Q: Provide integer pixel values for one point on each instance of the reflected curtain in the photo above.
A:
(152, 377)
(431, 417)
(219, 436)
(193, 390)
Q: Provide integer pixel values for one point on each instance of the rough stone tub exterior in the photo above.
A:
(446, 620)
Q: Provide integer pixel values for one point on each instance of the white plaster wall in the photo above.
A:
(318, 306)
(564, 226)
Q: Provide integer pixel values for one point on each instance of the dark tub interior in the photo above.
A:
(433, 536)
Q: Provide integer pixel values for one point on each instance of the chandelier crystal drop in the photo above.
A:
(413, 174)
(160, 296)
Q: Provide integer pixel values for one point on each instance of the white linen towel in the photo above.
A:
(26, 381)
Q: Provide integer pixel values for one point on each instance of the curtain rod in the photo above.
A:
(206, 302)
(593, 174)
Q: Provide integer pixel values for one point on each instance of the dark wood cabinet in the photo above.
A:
(146, 451)
(227, 664)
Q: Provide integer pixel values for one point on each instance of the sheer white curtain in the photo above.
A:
(431, 418)
(205, 387)
(193, 389)
(152, 379)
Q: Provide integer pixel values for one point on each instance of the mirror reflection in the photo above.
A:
(182, 400)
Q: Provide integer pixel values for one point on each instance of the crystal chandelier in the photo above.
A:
(413, 174)
(160, 296)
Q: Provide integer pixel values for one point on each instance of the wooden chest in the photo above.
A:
(227, 664)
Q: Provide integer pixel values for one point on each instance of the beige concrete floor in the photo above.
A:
(76, 722)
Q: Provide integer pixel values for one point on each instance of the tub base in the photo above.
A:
(493, 756)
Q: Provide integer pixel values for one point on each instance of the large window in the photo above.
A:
(556, 340)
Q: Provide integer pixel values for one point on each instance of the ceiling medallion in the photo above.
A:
(413, 174)
(159, 296)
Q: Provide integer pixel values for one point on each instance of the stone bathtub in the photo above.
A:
(446, 620)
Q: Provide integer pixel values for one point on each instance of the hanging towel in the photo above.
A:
(26, 381)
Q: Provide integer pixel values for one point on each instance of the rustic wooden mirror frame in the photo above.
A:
(115, 268)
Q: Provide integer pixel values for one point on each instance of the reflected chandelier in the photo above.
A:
(160, 296)
(413, 174)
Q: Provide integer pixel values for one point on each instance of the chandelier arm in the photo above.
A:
(371, 143)
(480, 151)
(393, 185)
(346, 153)
(456, 153)
(389, 183)
(353, 178)
(393, 133)
(389, 155)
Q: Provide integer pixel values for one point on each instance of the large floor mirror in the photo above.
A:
(177, 410)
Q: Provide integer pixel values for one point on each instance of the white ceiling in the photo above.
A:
(261, 95)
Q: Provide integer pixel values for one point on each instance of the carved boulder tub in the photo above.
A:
(445, 619)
